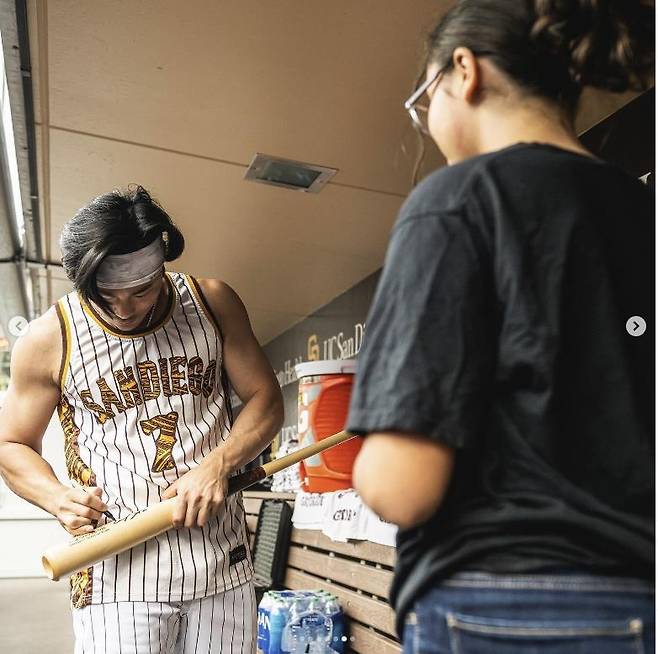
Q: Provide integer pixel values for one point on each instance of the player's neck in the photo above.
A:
(152, 317)
(161, 305)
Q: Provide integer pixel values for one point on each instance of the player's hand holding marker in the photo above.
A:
(77, 508)
(200, 492)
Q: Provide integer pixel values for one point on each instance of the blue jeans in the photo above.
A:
(478, 613)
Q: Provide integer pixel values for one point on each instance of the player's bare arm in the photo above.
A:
(203, 489)
(31, 398)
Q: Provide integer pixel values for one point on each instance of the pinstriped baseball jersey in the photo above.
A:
(138, 411)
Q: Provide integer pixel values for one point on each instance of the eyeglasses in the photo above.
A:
(418, 112)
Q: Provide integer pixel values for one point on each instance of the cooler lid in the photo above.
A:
(326, 367)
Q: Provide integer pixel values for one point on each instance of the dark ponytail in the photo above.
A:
(608, 44)
(114, 223)
(553, 48)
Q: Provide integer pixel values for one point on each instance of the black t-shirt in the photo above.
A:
(499, 328)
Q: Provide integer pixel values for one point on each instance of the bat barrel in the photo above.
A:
(116, 537)
(107, 540)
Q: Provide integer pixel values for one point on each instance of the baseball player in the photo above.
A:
(138, 363)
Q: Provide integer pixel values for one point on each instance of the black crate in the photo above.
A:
(271, 543)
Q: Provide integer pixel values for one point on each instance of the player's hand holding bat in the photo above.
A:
(76, 509)
(200, 492)
(193, 487)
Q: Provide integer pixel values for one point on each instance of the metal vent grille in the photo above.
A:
(286, 173)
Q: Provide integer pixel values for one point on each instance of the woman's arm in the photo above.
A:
(426, 369)
(403, 477)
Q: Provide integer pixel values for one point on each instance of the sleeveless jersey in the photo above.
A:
(138, 411)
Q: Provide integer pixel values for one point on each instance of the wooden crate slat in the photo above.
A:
(358, 607)
(360, 549)
(252, 504)
(365, 577)
(367, 641)
(252, 521)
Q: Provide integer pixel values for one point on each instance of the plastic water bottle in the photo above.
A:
(318, 625)
(328, 604)
(307, 629)
(292, 630)
(334, 612)
(317, 632)
(263, 642)
(278, 620)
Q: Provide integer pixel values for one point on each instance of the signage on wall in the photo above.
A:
(335, 331)
(336, 346)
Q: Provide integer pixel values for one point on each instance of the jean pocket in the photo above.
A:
(476, 635)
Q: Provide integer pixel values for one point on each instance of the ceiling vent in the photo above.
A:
(295, 175)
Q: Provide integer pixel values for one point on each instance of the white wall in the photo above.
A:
(26, 530)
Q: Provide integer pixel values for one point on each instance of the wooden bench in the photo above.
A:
(359, 573)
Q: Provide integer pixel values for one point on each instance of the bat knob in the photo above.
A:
(48, 568)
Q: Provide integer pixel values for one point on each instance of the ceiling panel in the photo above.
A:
(317, 82)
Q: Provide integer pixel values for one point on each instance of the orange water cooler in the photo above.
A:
(324, 398)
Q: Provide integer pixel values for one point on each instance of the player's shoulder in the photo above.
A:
(38, 351)
(44, 331)
(225, 303)
(218, 292)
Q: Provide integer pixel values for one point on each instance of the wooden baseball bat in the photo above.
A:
(116, 537)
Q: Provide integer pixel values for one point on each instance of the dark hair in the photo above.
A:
(554, 48)
(115, 223)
